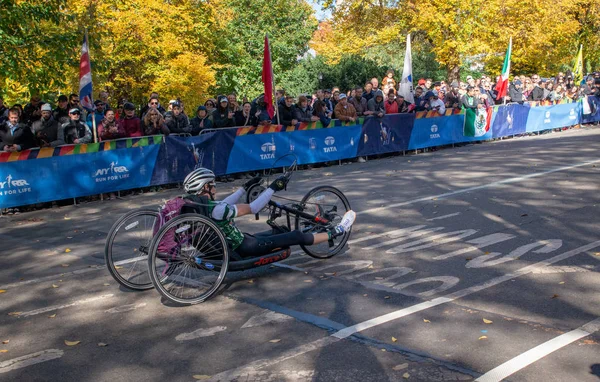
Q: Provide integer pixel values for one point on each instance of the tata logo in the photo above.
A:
(114, 172)
(572, 114)
(434, 132)
(329, 141)
(547, 120)
(12, 186)
(269, 150)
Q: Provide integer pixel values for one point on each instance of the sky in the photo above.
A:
(318, 12)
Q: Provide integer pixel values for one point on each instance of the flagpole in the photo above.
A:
(276, 106)
(94, 132)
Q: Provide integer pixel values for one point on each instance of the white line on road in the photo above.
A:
(30, 359)
(126, 308)
(200, 333)
(523, 360)
(475, 188)
(58, 307)
(444, 217)
(52, 277)
(461, 293)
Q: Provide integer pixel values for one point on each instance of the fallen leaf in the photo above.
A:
(486, 321)
(483, 338)
(54, 286)
(67, 250)
(3, 351)
(67, 218)
(554, 296)
(275, 341)
(378, 278)
(486, 253)
(589, 342)
(328, 174)
(371, 266)
(52, 315)
(468, 258)
(383, 350)
(106, 284)
(69, 237)
(426, 320)
(65, 265)
(72, 343)
(14, 313)
(386, 297)
(201, 377)
(562, 282)
(330, 274)
(406, 376)
(2, 290)
(118, 267)
(394, 339)
(308, 281)
(5, 342)
(400, 367)
(102, 344)
(365, 295)
(597, 254)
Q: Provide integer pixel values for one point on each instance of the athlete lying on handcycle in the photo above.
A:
(201, 188)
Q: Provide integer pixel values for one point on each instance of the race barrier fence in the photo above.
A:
(47, 174)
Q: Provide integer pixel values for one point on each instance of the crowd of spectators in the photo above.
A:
(39, 124)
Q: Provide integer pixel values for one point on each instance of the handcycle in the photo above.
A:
(187, 259)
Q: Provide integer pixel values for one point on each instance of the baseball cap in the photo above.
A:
(75, 111)
(421, 81)
(342, 95)
(46, 107)
(98, 102)
(128, 106)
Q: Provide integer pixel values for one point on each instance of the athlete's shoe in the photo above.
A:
(345, 225)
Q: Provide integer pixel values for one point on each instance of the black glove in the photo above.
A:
(252, 182)
(278, 184)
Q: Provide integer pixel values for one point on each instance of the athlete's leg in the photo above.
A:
(254, 246)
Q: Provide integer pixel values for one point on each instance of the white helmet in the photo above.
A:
(196, 180)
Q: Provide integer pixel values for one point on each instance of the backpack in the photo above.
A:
(173, 208)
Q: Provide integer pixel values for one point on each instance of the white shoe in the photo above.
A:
(346, 223)
(361, 160)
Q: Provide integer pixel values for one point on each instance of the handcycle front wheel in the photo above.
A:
(188, 259)
(126, 248)
(331, 204)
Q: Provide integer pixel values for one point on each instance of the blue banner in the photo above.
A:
(389, 134)
(69, 176)
(552, 117)
(591, 109)
(510, 120)
(436, 131)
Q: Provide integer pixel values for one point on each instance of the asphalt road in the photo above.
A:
(471, 263)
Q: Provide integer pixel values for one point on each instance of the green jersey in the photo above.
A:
(233, 235)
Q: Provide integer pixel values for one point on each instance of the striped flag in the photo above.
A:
(406, 85)
(267, 77)
(578, 68)
(85, 76)
(502, 86)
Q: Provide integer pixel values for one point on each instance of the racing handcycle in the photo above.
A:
(187, 258)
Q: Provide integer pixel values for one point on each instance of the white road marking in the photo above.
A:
(404, 237)
(264, 318)
(209, 332)
(479, 243)
(523, 360)
(30, 359)
(52, 277)
(476, 188)
(432, 241)
(132, 260)
(58, 307)
(126, 308)
(347, 332)
(444, 217)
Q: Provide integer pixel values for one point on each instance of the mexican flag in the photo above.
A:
(477, 121)
(502, 86)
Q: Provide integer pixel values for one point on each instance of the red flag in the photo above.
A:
(267, 78)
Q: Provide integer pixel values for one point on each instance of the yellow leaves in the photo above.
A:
(2, 291)
(52, 315)
(554, 296)
(406, 375)
(486, 321)
(3, 351)
(426, 321)
(14, 313)
(72, 343)
(67, 250)
(54, 286)
(483, 338)
(102, 344)
(394, 339)
(276, 340)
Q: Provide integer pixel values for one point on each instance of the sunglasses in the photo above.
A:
(153, 103)
(74, 101)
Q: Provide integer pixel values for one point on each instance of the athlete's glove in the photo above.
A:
(279, 184)
(252, 182)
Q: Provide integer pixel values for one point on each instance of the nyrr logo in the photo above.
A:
(330, 141)
(547, 120)
(14, 186)
(113, 172)
(269, 150)
(434, 132)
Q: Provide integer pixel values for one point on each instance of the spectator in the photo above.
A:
(420, 100)
(469, 101)
(589, 85)
(428, 83)
(3, 111)
(403, 105)
(452, 99)
(557, 94)
(434, 103)
(537, 94)
(245, 117)
(103, 96)
(234, 106)
(547, 90)
(15, 136)
(344, 111)
(154, 123)
(280, 97)
(153, 102)
(32, 111)
(489, 93)
(359, 102)
(327, 101)
(287, 113)
(320, 110)
(176, 120)
(375, 83)
(222, 116)
(261, 114)
(132, 124)
(119, 112)
(211, 105)
(369, 93)
(388, 80)
(61, 113)
(376, 104)
(97, 116)
(74, 131)
(391, 106)
(470, 81)
(109, 128)
(201, 121)
(303, 112)
(437, 86)
(335, 99)
(45, 129)
(514, 91)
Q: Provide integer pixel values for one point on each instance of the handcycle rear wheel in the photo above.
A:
(126, 248)
(188, 259)
(331, 204)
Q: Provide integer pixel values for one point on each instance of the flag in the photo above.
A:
(267, 77)
(502, 86)
(406, 85)
(578, 68)
(477, 121)
(85, 77)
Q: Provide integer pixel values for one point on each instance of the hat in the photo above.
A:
(437, 83)
(98, 102)
(201, 107)
(62, 98)
(171, 102)
(517, 82)
(469, 78)
(434, 93)
(429, 94)
(74, 111)
(46, 107)
(128, 106)
(223, 99)
(327, 91)
(342, 95)
(421, 81)
(175, 104)
(454, 84)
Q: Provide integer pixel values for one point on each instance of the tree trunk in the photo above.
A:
(453, 73)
